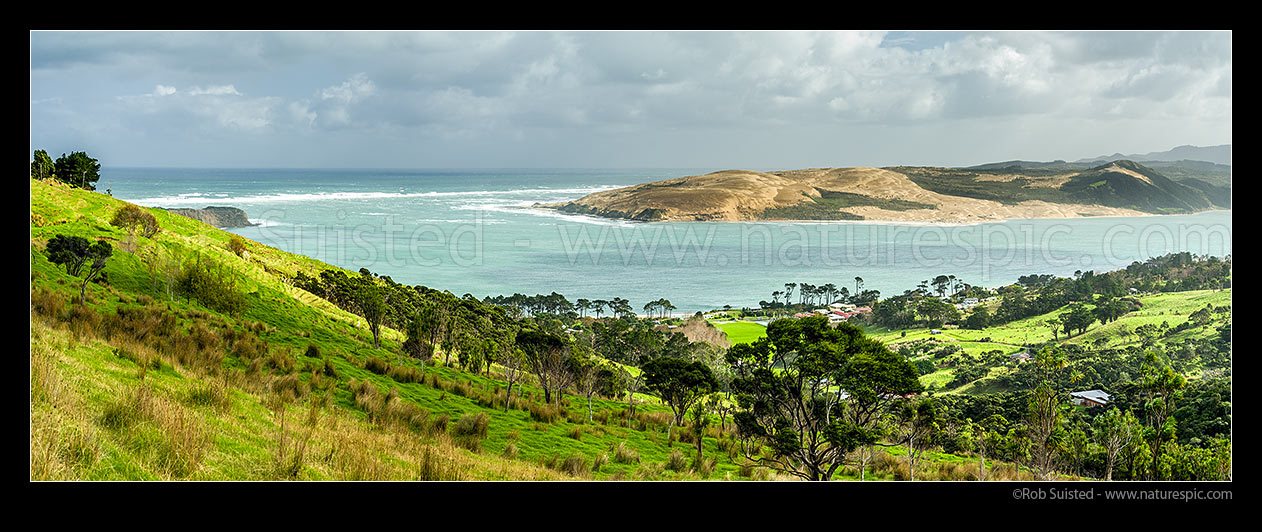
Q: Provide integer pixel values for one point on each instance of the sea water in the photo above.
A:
(478, 232)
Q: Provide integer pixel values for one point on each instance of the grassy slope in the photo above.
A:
(1172, 308)
(242, 438)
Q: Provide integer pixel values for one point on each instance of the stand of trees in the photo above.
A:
(76, 169)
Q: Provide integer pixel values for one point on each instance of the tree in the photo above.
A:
(1161, 388)
(371, 300)
(1045, 418)
(1113, 431)
(548, 358)
(132, 219)
(678, 383)
(78, 170)
(587, 371)
(813, 394)
(917, 427)
(81, 257)
(42, 166)
(513, 360)
(1077, 318)
(987, 437)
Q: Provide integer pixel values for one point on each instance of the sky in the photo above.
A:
(623, 99)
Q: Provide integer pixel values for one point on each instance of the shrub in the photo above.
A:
(377, 365)
(290, 386)
(404, 374)
(623, 454)
(236, 245)
(439, 424)
(212, 394)
(543, 413)
(472, 425)
(134, 219)
(329, 370)
(510, 450)
(574, 464)
(211, 284)
(599, 461)
(48, 302)
(676, 462)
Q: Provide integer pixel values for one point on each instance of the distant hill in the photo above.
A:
(1131, 185)
(1215, 154)
(1000, 191)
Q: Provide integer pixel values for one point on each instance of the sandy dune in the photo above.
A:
(739, 195)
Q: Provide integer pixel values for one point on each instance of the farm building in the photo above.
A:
(1090, 398)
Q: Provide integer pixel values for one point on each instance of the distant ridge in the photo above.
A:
(1215, 154)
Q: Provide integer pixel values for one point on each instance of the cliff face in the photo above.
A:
(217, 216)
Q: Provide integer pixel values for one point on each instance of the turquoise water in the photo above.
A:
(474, 231)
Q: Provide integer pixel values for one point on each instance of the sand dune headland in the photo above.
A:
(875, 194)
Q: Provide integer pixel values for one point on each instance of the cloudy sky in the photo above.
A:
(710, 99)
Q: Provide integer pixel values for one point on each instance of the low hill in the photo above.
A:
(144, 382)
(919, 194)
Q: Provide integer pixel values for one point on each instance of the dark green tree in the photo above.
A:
(81, 258)
(813, 394)
(77, 169)
(42, 166)
(548, 357)
(678, 383)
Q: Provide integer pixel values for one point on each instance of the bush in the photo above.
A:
(574, 464)
(236, 245)
(212, 285)
(377, 365)
(134, 219)
(623, 454)
(676, 462)
(472, 425)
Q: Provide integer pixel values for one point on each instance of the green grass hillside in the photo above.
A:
(1164, 311)
(142, 383)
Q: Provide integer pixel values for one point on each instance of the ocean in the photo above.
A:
(475, 232)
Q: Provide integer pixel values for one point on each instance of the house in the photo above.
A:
(970, 301)
(1090, 398)
(935, 331)
(1022, 356)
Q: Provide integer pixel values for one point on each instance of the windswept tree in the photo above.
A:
(81, 258)
(548, 358)
(78, 170)
(679, 383)
(371, 301)
(42, 166)
(133, 219)
(813, 394)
